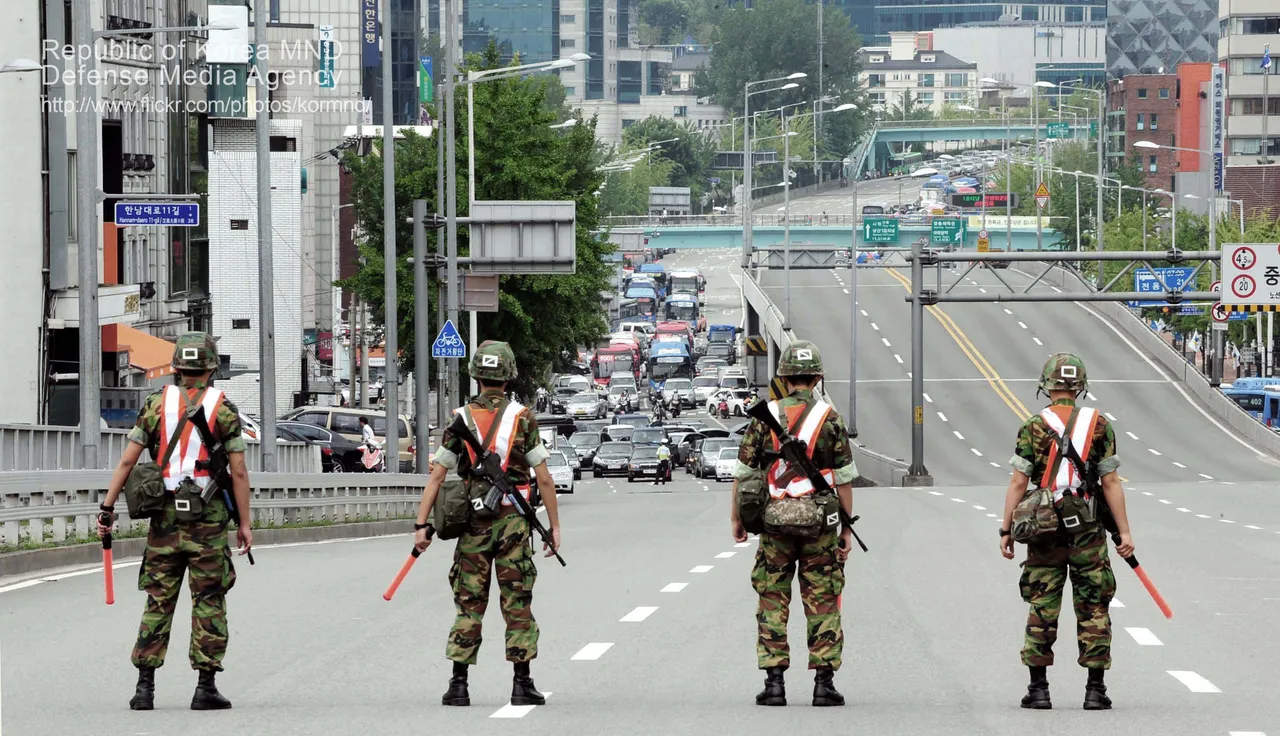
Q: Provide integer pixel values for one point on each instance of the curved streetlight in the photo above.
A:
(566, 124)
(747, 92)
(18, 66)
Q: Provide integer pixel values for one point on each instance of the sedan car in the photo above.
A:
(704, 461)
(726, 463)
(562, 472)
(724, 351)
(617, 433)
(738, 399)
(708, 366)
(561, 399)
(652, 436)
(682, 388)
(584, 446)
(643, 461)
(703, 387)
(612, 458)
(587, 404)
(337, 453)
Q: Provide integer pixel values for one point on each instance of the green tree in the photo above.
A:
(626, 193)
(775, 38)
(518, 157)
(685, 147)
(667, 18)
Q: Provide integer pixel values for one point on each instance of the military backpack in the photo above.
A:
(144, 491)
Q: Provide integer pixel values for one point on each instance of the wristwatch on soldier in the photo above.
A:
(1004, 532)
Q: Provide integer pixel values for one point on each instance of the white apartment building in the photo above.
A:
(1025, 52)
(1247, 27)
(911, 65)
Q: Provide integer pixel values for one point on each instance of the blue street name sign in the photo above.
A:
(158, 214)
(449, 343)
(1174, 278)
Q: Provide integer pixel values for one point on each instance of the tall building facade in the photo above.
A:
(1155, 36)
(1026, 52)
(876, 18)
(911, 65)
(1253, 101)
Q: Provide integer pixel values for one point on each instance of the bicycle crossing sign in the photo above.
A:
(448, 343)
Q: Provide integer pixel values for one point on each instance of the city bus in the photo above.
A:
(688, 281)
(668, 359)
(646, 299)
(1262, 402)
(628, 311)
(615, 358)
(684, 308)
(657, 271)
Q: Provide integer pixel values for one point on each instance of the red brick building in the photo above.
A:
(1145, 107)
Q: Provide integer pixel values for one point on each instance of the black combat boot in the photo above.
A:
(457, 694)
(775, 690)
(522, 690)
(144, 696)
(1095, 691)
(1037, 697)
(207, 696)
(824, 689)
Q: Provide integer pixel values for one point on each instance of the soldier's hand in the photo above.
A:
(106, 520)
(421, 540)
(1006, 546)
(846, 544)
(554, 547)
(1125, 547)
(739, 531)
(244, 539)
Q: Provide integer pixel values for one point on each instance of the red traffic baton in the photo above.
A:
(1146, 581)
(404, 570)
(108, 570)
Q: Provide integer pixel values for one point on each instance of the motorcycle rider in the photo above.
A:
(367, 439)
(541, 399)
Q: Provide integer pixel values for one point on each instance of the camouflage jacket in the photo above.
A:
(527, 450)
(1031, 453)
(226, 426)
(832, 448)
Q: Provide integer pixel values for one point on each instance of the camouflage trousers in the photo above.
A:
(500, 544)
(821, 581)
(200, 550)
(1083, 558)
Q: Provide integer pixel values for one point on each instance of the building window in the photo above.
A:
(1245, 146)
(1246, 65)
(1253, 106)
(1141, 121)
(928, 59)
(239, 324)
(1164, 93)
(877, 60)
(926, 80)
(1031, 12)
(877, 98)
(875, 80)
(1074, 14)
(1154, 121)
(629, 82)
(1268, 26)
(567, 43)
(570, 92)
(681, 111)
(568, 19)
(72, 184)
(627, 123)
(1142, 93)
(957, 80)
(926, 98)
(1151, 164)
(951, 98)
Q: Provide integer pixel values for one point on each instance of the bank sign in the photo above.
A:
(1218, 115)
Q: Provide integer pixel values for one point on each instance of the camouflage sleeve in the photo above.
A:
(836, 440)
(451, 448)
(751, 451)
(529, 432)
(1104, 447)
(227, 426)
(1024, 450)
(146, 430)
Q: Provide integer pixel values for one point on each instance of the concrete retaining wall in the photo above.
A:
(880, 469)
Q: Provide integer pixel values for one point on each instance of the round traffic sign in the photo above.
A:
(1216, 288)
(1244, 258)
(1243, 286)
(1219, 312)
(982, 234)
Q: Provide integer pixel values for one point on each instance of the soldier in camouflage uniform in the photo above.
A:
(199, 547)
(501, 544)
(819, 561)
(1079, 553)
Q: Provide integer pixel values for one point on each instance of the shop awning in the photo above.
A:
(147, 353)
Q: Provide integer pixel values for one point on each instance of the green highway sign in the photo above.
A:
(880, 230)
(1093, 128)
(1057, 130)
(948, 229)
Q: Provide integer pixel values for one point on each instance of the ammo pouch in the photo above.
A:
(753, 496)
(794, 517)
(478, 490)
(451, 513)
(1034, 516)
(1077, 513)
(144, 491)
(188, 501)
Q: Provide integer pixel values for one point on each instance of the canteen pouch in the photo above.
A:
(451, 513)
(144, 491)
(793, 517)
(187, 501)
(1034, 516)
(829, 507)
(1077, 513)
(753, 496)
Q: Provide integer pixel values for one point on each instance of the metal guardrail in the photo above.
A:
(56, 505)
(962, 123)
(29, 447)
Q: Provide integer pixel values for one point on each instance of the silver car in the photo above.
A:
(586, 404)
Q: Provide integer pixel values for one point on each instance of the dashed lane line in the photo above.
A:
(958, 435)
(975, 451)
(1144, 637)
(638, 614)
(725, 555)
(897, 358)
(592, 651)
(1037, 341)
(740, 545)
(885, 340)
(516, 711)
(1132, 436)
(701, 568)
(673, 587)
(942, 416)
(1194, 682)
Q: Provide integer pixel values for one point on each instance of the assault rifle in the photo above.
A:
(795, 454)
(489, 466)
(218, 465)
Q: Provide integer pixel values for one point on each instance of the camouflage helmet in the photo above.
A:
(494, 361)
(195, 351)
(800, 358)
(1063, 372)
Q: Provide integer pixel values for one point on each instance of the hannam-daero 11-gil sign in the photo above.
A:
(158, 214)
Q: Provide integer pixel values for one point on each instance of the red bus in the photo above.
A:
(616, 358)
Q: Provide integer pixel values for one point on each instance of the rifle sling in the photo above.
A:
(1064, 444)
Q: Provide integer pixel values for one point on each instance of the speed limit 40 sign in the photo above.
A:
(1251, 274)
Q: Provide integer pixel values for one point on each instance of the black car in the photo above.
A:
(612, 458)
(584, 445)
(724, 351)
(337, 453)
(560, 399)
(644, 461)
(652, 436)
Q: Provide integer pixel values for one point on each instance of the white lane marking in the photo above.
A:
(1166, 503)
(995, 464)
(1115, 603)
(1153, 451)
(740, 545)
(942, 416)
(674, 587)
(875, 326)
(897, 358)
(1194, 682)
(1226, 521)
(845, 290)
(982, 290)
(516, 711)
(1023, 325)
(1179, 465)
(991, 516)
(1184, 510)
(926, 398)
(1007, 311)
(934, 493)
(1109, 415)
(975, 451)
(701, 568)
(1160, 372)
(1147, 493)
(725, 555)
(1144, 637)
(980, 508)
(1056, 289)
(957, 434)
(1132, 436)
(1245, 733)
(958, 500)
(639, 613)
(864, 312)
(1206, 477)
(1037, 341)
(1202, 516)
(1091, 396)
(1251, 526)
(592, 651)
(885, 340)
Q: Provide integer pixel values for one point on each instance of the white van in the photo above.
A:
(625, 380)
(647, 328)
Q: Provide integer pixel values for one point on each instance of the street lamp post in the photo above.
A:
(746, 154)
(1102, 104)
(1008, 160)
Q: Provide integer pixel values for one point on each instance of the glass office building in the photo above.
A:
(1154, 36)
(530, 28)
(404, 66)
(927, 15)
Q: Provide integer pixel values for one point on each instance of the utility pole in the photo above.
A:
(421, 336)
(353, 328)
(822, 91)
(390, 323)
(445, 35)
(89, 200)
(266, 260)
(451, 186)
(364, 356)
